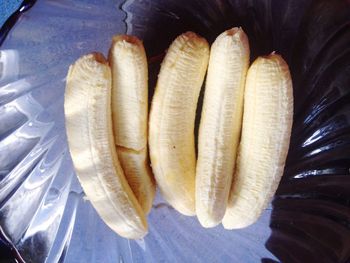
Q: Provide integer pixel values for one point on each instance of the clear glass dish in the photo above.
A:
(42, 206)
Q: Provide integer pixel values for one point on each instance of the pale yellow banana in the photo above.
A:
(266, 130)
(172, 117)
(220, 125)
(87, 109)
(128, 62)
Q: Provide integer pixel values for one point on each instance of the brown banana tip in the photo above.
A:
(99, 57)
(236, 35)
(194, 37)
(190, 34)
(127, 38)
(273, 56)
(233, 31)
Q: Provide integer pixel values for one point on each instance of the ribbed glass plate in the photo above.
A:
(42, 206)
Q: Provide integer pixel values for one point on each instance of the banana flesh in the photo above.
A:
(220, 125)
(128, 62)
(106, 112)
(172, 117)
(266, 129)
(89, 132)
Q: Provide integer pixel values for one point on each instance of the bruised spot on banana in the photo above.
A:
(220, 124)
(266, 130)
(172, 118)
(88, 118)
(128, 63)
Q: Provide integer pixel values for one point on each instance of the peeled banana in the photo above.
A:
(266, 130)
(128, 62)
(220, 125)
(172, 117)
(87, 109)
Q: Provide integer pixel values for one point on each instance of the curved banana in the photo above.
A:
(87, 109)
(220, 125)
(128, 62)
(172, 117)
(266, 130)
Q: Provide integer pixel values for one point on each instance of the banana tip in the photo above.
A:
(233, 31)
(272, 55)
(99, 57)
(194, 38)
(126, 39)
(234, 35)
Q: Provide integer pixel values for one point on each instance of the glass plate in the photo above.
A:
(42, 206)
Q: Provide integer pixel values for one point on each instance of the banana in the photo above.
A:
(87, 109)
(266, 130)
(172, 117)
(220, 125)
(128, 62)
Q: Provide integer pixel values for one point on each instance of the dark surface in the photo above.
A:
(8, 254)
